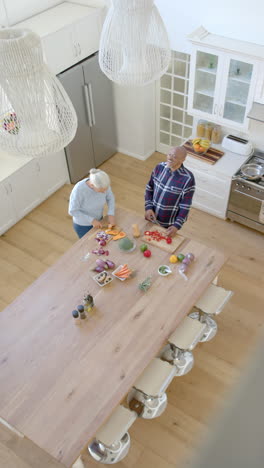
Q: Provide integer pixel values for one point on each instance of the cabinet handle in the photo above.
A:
(92, 104)
(215, 109)
(221, 111)
(75, 50)
(87, 103)
(10, 186)
(79, 48)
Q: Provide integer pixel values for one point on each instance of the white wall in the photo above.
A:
(238, 19)
(19, 10)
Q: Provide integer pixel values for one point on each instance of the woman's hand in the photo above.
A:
(111, 220)
(96, 224)
(172, 231)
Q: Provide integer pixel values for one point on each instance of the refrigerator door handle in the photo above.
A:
(92, 104)
(87, 103)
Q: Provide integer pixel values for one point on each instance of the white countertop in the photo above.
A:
(10, 164)
(227, 165)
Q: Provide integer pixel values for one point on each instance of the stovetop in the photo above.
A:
(256, 158)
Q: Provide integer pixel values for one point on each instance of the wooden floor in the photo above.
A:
(38, 240)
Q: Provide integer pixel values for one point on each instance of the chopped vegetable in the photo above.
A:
(145, 285)
(169, 240)
(124, 272)
(143, 247)
(163, 269)
(190, 256)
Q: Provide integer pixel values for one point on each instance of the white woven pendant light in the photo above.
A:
(36, 114)
(134, 46)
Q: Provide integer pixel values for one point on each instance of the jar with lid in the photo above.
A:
(216, 134)
(208, 131)
(200, 129)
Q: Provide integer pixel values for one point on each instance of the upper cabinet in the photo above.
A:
(69, 33)
(222, 80)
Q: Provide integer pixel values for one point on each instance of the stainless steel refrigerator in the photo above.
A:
(91, 93)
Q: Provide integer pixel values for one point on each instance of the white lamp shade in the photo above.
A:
(134, 47)
(36, 114)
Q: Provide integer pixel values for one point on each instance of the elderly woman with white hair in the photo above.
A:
(87, 201)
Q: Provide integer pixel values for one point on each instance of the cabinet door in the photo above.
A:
(53, 173)
(79, 153)
(102, 109)
(8, 214)
(237, 91)
(25, 188)
(60, 50)
(87, 35)
(205, 81)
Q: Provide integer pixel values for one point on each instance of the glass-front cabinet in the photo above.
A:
(221, 87)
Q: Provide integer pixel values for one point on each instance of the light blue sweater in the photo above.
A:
(86, 204)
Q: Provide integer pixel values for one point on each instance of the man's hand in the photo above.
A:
(96, 224)
(172, 231)
(111, 220)
(150, 215)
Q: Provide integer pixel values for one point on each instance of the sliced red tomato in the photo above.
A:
(169, 240)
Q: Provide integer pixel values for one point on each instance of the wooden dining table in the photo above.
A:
(60, 381)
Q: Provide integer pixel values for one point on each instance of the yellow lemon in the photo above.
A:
(173, 259)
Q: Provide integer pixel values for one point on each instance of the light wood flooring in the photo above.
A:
(38, 240)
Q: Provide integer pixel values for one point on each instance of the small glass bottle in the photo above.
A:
(208, 132)
(88, 302)
(200, 129)
(81, 312)
(216, 134)
(76, 317)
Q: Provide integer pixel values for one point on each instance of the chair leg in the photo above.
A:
(149, 407)
(181, 359)
(211, 325)
(110, 455)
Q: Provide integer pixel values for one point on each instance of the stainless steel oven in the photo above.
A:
(246, 201)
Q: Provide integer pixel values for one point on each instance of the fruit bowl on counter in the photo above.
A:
(200, 145)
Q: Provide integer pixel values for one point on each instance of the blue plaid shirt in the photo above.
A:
(169, 194)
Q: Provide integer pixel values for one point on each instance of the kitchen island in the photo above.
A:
(61, 381)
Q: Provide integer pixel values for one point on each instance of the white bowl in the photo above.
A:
(169, 271)
(97, 277)
(116, 270)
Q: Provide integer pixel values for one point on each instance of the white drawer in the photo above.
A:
(212, 184)
(206, 201)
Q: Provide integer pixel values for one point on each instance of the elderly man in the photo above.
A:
(169, 192)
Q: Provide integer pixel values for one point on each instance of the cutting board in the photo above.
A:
(170, 248)
(210, 157)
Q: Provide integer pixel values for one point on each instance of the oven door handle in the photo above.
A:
(247, 195)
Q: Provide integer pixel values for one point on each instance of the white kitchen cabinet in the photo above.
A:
(25, 190)
(222, 81)
(69, 33)
(222, 87)
(29, 185)
(8, 214)
(53, 173)
(213, 182)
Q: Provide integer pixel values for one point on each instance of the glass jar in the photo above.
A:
(200, 129)
(216, 134)
(208, 132)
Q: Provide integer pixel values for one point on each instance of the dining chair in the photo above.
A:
(112, 441)
(183, 340)
(148, 397)
(210, 304)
